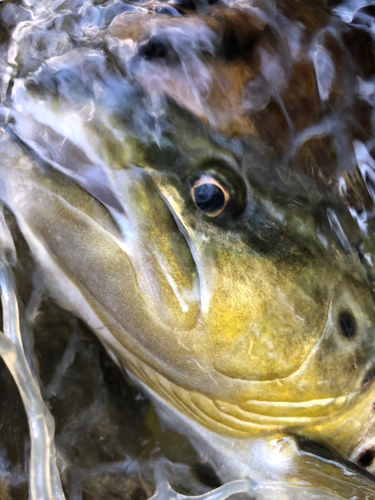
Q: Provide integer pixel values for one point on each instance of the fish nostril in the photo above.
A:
(347, 324)
(366, 458)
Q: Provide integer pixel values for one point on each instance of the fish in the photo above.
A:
(235, 290)
(238, 324)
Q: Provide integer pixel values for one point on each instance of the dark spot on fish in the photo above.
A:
(347, 324)
(154, 48)
(373, 407)
(366, 458)
(369, 377)
(206, 475)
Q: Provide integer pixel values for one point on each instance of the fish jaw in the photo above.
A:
(275, 459)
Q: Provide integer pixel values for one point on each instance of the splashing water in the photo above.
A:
(44, 477)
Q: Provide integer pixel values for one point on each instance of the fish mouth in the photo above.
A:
(240, 420)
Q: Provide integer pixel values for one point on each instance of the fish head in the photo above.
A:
(213, 291)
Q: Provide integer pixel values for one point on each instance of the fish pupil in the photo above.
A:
(347, 324)
(209, 197)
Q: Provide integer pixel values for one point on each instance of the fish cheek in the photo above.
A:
(259, 315)
(346, 360)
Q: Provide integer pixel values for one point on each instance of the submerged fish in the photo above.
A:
(236, 300)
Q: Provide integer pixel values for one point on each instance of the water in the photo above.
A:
(298, 78)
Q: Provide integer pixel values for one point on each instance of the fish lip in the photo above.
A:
(170, 394)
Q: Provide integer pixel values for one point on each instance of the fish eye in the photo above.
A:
(347, 324)
(209, 195)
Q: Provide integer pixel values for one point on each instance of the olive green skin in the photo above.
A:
(233, 321)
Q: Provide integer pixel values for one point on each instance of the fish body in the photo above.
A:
(245, 312)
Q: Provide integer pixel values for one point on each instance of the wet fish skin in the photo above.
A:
(233, 322)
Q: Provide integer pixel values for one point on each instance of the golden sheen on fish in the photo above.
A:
(218, 301)
(236, 291)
